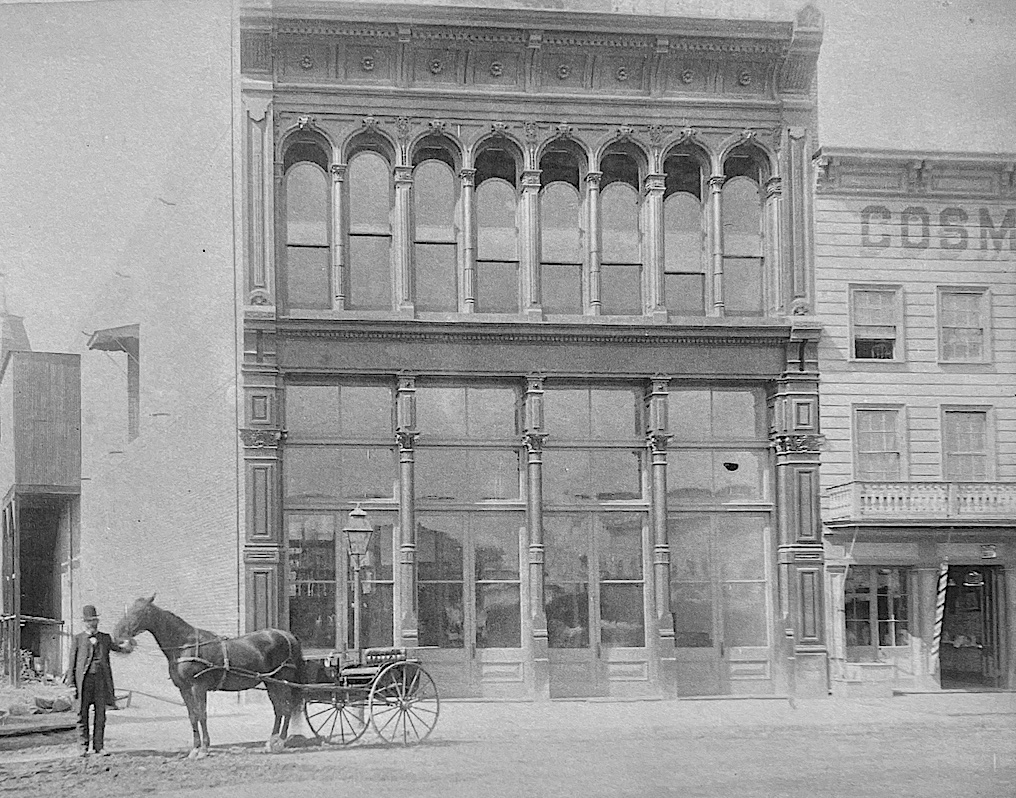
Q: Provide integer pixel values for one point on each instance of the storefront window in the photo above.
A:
(440, 584)
(377, 586)
(311, 579)
(496, 571)
(876, 610)
(619, 554)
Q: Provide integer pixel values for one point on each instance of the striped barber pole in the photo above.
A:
(943, 583)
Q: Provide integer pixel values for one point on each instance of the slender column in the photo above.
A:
(530, 239)
(405, 438)
(468, 178)
(716, 233)
(404, 239)
(656, 439)
(774, 298)
(654, 254)
(338, 238)
(533, 437)
(595, 244)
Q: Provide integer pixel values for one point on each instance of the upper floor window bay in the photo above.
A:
(563, 230)
(497, 179)
(684, 232)
(436, 265)
(444, 230)
(307, 210)
(745, 171)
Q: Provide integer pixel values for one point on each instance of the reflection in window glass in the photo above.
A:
(576, 476)
(691, 580)
(498, 615)
(439, 557)
(566, 581)
(310, 578)
(622, 622)
(876, 610)
(377, 587)
(744, 616)
(619, 552)
(740, 545)
(469, 475)
(579, 414)
(339, 473)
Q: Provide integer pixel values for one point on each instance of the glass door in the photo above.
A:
(720, 600)
(469, 598)
(595, 601)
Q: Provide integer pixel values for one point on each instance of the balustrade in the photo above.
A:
(901, 501)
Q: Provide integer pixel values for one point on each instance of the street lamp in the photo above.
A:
(358, 533)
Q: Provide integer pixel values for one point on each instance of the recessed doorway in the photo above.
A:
(974, 649)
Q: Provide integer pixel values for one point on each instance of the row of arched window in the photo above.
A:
(499, 239)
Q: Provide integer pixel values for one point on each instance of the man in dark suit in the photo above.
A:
(93, 678)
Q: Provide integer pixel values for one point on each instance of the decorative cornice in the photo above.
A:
(476, 332)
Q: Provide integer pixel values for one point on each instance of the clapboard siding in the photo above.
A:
(919, 261)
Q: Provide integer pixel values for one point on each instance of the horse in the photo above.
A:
(200, 661)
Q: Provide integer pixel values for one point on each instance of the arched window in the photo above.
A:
(369, 178)
(497, 252)
(308, 258)
(561, 233)
(435, 252)
(620, 254)
(741, 211)
(684, 257)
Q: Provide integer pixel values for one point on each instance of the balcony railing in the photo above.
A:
(955, 502)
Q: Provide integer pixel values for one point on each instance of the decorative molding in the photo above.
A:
(657, 441)
(499, 129)
(648, 335)
(656, 134)
(800, 307)
(563, 130)
(774, 187)
(259, 296)
(626, 133)
(307, 62)
(534, 441)
(437, 125)
(338, 171)
(406, 439)
(403, 126)
(262, 438)
(797, 444)
(531, 130)
(304, 122)
(496, 69)
(370, 122)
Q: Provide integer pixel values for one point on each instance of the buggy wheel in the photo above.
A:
(403, 703)
(333, 718)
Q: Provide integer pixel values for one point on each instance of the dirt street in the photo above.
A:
(569, 749)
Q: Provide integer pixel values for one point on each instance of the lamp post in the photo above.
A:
(358, 533)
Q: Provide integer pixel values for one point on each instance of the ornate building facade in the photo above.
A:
(914, 268)
(535, 290)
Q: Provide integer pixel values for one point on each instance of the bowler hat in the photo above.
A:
(89, 613)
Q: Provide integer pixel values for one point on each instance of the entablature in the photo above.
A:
(555, 53)
(862, 172)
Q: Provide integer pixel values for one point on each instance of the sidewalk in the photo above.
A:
(152, 725)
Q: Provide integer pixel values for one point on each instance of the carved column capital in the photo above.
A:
(406, 439)
(716, 182)
(655, 183)
(594, 178)
(657, 441)
(531, 179)
(797, 444)
(534, 441)
(404, 175)
(262, 438)
(468, 177)
(774, 187)
(338, 171)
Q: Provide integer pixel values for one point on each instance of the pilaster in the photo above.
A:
(338, 239)
(716, 241)
(468, 188)
(259, 200)
(594, 240)
(655, 186)
(795, 438)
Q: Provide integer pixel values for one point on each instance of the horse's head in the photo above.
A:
(134, 620)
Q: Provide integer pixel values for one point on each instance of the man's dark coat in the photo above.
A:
(83, 654)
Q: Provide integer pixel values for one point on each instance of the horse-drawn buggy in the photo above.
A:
(340, 696)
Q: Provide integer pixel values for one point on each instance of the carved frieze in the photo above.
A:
(797, 444)
(261, 438)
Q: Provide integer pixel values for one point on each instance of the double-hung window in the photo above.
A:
(962, 325)
(965, 445)
(876, 322)
(878, 444)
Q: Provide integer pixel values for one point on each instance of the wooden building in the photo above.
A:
(916, 288)
(536, 291)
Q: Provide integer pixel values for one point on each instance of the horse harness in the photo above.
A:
(226, 669)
